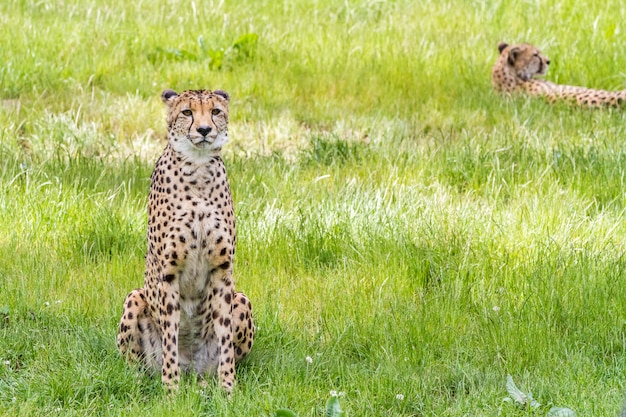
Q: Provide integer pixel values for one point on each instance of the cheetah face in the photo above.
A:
(197, 121)
(525, 60)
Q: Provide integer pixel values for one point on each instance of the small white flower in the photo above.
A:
(333, 393)
(309, 359)
(400, 397)
(496, 308)
(7, 363)
(47, 304)
(57, 302)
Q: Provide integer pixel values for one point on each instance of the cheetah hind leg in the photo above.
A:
(243, 325)
(138, 339)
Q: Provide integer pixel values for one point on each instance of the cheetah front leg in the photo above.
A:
(243, 325)
(221, 314)
(169, 323)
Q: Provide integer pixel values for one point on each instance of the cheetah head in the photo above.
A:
(197, 121)
(524, 60)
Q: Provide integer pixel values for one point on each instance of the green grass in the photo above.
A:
(398, 223)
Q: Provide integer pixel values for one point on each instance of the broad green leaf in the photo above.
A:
(515, 393)
(202, 43)
(333, 408)
(531, 401)
(561, 412)
(283, 412)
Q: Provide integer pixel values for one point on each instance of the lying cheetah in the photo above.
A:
(518, 64)
(188, 315)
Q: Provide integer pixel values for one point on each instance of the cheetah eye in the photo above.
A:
(215, 112)
(186, 112)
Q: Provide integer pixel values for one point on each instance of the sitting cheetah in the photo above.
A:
(188, 315)
(518, 64)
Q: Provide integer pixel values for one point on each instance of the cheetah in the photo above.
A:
(517, 65)
(188, 317)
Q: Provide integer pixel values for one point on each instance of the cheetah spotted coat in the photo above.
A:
(517, 65)
(188, 315)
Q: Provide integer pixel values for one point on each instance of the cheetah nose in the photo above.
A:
(204, 130)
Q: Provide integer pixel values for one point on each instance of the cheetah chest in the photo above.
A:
(198, 214)
(210, 250)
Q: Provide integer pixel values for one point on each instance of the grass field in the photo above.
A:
(414, 235)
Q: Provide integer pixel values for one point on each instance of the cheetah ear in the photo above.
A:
(167, 95)
(513, 53)
(501, 46)
(222, 93)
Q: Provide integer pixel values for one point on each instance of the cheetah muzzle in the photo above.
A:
(188, 316)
